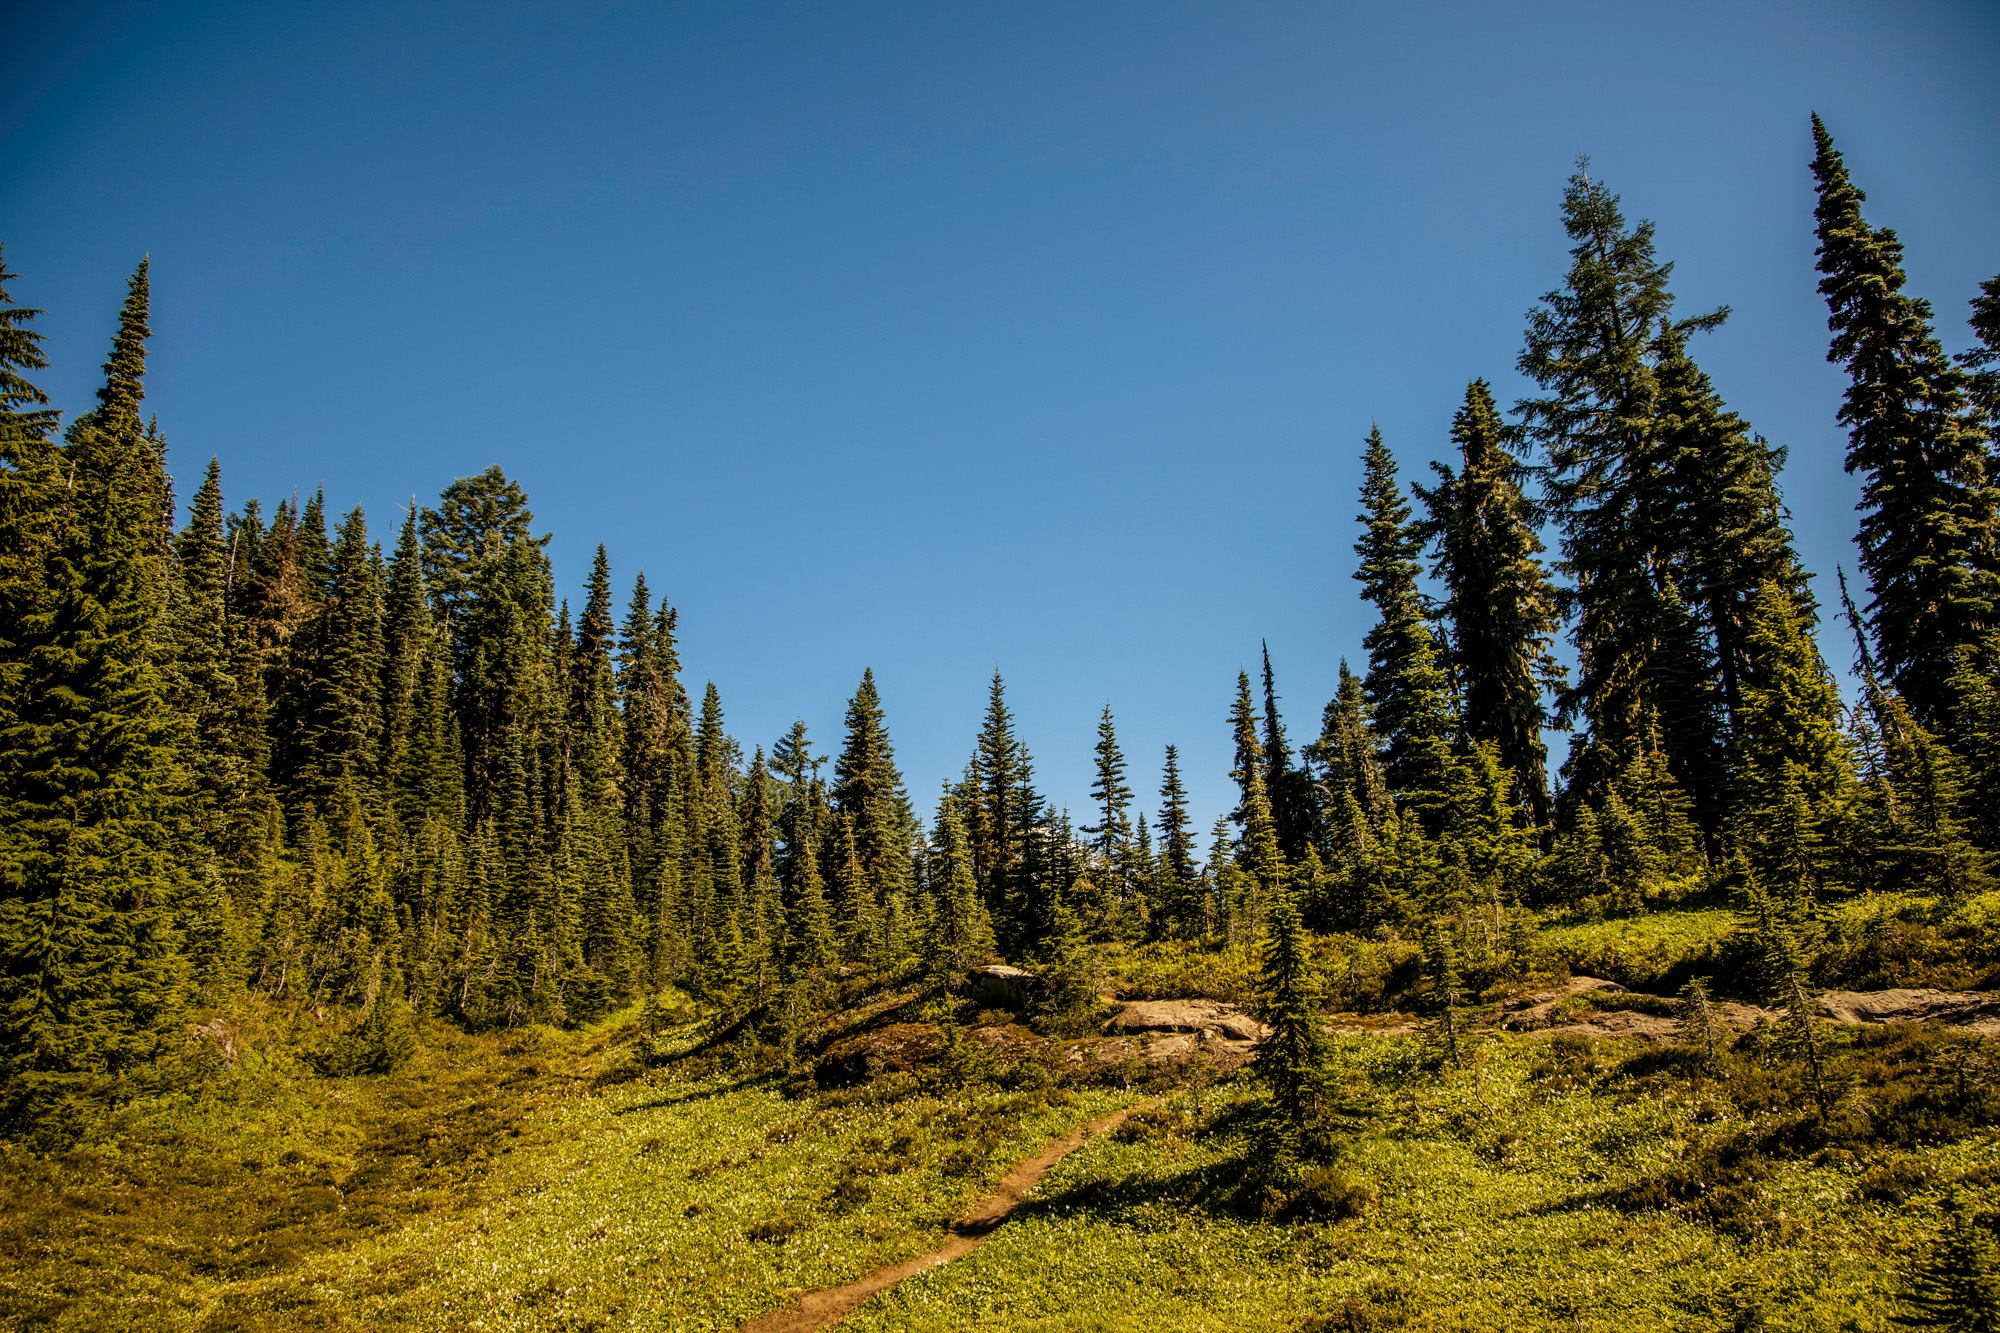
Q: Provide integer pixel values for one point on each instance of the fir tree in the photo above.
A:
(868, 791)
(1291, 1059)
(1294, 807)
(1955, 1284)
(1930, 527)
(1594, 346)
(1499, 600)
(1982, 363)
(1700, 1027)
(1444, 1030)
(1179, 901)
(1389, 546)
(1113, 797)
(89, 960)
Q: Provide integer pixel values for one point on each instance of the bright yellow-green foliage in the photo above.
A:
(698, 1205)
(1493, 1212)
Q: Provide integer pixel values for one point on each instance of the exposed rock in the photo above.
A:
(1006, 1043)
(1008, 987)
(869, 1055)
(1619, 1023)
(1208, 1018)
(1528, 1010)
(1961, 1009)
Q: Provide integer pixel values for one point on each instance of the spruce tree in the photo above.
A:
(1291, 1060)
(868, 792)
(1389, 546)
(1112, 795)
(1955, 1284)
(92, 982)
(1594, 347)
(1498, 597)
(1930, 526)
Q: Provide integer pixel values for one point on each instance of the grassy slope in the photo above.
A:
(1493, 1210)
(506, 1182)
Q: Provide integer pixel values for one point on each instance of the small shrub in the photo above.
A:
(773, 1230)
(1893, 1181)
(1326, 1195)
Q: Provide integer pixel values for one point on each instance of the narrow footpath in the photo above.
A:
(829, 1305)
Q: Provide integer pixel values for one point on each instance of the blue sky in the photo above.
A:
(941, 337)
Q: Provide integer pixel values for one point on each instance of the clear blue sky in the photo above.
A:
(936, 337)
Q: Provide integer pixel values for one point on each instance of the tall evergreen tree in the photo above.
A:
(1498, 598)
(1112, 795)
(91, 977)
(868, 791)
(1930, 526)
(1389, 546)
(1294, 808)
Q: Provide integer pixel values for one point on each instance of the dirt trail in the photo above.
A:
(829, 1305)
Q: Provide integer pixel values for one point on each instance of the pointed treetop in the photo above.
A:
(125, 372)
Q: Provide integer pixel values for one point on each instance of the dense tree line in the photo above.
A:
(381, 775)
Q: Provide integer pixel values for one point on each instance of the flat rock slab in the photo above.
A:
(1962, 1009)
(1212, 1019)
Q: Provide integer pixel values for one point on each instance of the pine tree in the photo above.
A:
(1595, 347)
(1930, 527)
(868, 792)
(1113, 797)
(1499, 600)
(91, 978)
(1444, 1030)
(1955, 1285)
(1291, 1059)
(1179, 908)
(1389, 546)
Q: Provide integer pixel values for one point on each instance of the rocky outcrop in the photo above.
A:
(869, 1055)
(1171, 1031)
(1213, 1018)
(1968, 1010)
(1006, 987)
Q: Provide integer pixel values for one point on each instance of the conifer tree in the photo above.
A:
(1720, 484)
(957, 921)
(1982, 363)
(1701, 1027)
(1791, 711)
(1389, 546)
(1930, 527)
(1594, 347)
(1955, 1284)
(1444, 1030)
(1498, 597)
(1291, 1059)
(91, 978)
(1294, 804)
(1113, 797)
(406, 644)
(868, 791)
(1179, 901)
